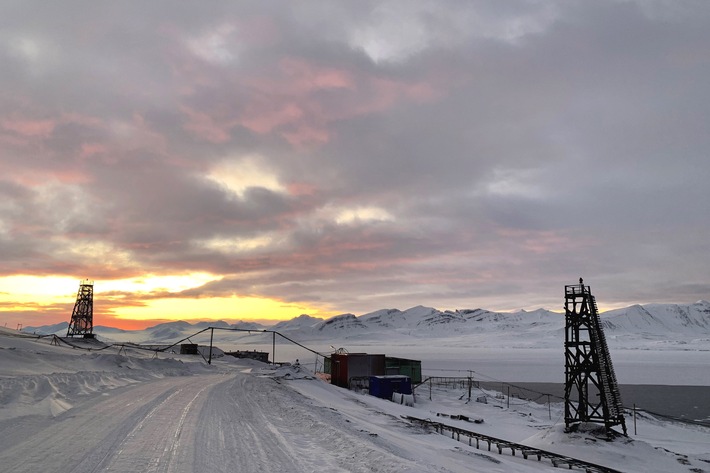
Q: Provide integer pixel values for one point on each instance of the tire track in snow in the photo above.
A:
(253, 424)
(90, 437)
(154, 444)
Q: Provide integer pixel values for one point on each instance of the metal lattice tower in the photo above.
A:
(591, 391)
(82, 317)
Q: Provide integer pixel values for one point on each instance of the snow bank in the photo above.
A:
(37, 378)
(590, 443)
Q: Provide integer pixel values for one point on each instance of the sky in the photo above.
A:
(259, 160)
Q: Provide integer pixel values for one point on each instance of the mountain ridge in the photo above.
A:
(650, 320)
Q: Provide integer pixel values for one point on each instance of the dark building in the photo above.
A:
(344, 367)
(189, 349)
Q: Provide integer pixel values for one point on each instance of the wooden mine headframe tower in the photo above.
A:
(591, 391)
(82, 317)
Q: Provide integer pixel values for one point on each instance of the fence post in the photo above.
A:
(209, 361)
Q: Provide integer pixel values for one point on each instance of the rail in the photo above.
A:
(557, 460)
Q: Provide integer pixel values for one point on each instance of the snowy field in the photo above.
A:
(69, 410)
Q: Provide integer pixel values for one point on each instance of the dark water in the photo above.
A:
(686, 402)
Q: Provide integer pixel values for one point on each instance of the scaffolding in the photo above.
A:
(591, 391)
(82, 317)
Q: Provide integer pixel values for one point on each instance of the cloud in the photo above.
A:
(359, 156)
(394, 31)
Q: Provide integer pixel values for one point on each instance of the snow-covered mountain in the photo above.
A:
(161, 333)
(652, 321)
(302, 322)
(58, 329)
(660, 319)
(342, 323)
(423, 321)
(664, 320)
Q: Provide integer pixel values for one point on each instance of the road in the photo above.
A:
(223, 422)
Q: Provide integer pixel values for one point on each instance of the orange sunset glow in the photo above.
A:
(135, 303)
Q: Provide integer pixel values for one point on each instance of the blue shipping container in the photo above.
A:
(384, 386)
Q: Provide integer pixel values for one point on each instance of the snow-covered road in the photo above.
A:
(136, 428)
(216, 422)
(253, 424)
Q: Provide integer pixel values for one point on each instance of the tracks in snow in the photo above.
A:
(215, 422)
(141, 428)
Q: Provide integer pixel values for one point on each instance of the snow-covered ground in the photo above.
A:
(124, 410)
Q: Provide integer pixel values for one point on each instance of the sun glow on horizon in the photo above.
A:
(46, 289)
(229, 308)
(137, 302)
(26, 288)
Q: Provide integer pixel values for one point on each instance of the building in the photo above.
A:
(405, 367)
(344, 367)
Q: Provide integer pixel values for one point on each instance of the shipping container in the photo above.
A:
(384, 386)
(188, 349)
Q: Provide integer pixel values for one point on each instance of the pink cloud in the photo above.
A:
(23, 130)
(543, 242)
(84, 120)
(301, 188)
(33, 177)
(306, 77)
(387, 93)
(90, 149)
(72, 176)
(304, 135)
(205, 126)
(257, 30)
(29, 128)
(289, 100)
(262, 118)
(13, 140)
(145, 137)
